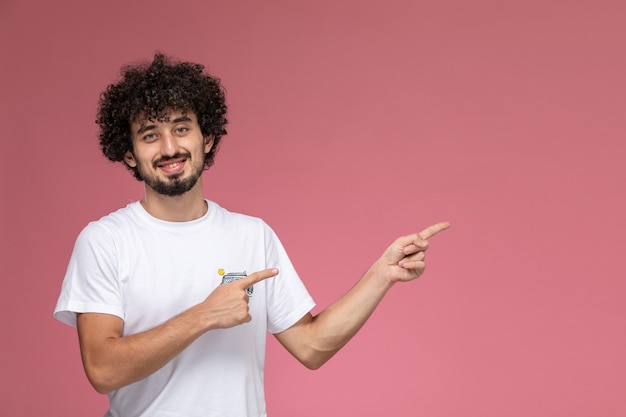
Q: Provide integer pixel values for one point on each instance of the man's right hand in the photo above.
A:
(227, 305)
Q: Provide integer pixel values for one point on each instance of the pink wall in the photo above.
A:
(353, 122)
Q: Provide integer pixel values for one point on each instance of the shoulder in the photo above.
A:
(234, 219)
(107, 227)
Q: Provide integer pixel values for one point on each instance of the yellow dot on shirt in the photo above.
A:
(220, 271)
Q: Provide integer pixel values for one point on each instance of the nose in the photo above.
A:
(169, 145)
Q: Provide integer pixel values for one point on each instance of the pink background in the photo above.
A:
(353, 122)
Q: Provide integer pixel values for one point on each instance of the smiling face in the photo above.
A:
(169, 155)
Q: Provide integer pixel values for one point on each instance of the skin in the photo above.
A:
(155, 145)
(112, 361)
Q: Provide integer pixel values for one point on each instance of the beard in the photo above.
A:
(173, 185)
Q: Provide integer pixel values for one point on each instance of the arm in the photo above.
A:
(112, 360)
(314, 340)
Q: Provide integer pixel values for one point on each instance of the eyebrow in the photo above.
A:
(145, 128)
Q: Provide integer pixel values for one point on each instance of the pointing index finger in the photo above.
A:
(431, 231)
(259, 276)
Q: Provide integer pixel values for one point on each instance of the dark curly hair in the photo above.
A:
(151, 91)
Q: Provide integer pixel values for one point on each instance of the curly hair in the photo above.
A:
(152, 91)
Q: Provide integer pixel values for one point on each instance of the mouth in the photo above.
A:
(172, 166)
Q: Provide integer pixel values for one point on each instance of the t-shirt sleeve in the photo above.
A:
(287, 298)
(91, 281)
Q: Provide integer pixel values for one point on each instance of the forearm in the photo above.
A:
(116, 361)
(340, 321)
(316, 339)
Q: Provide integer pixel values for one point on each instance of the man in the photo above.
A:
(169, 322)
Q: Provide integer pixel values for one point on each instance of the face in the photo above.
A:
(169, 156)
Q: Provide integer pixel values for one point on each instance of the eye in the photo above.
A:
(150, 137)
(181, 130)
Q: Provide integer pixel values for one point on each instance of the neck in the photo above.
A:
(182, 208)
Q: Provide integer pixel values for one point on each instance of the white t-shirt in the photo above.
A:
(146, 271)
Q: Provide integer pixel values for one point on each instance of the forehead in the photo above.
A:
(142, 121)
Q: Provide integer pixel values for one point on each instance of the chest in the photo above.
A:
(162, 274)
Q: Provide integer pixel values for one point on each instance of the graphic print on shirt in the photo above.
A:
(234, 276)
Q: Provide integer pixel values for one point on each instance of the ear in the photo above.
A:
(208, 143)
(129, 159)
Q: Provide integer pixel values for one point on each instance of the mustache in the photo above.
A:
(165, 160)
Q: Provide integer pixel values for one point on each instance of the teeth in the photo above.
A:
(174, 165)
